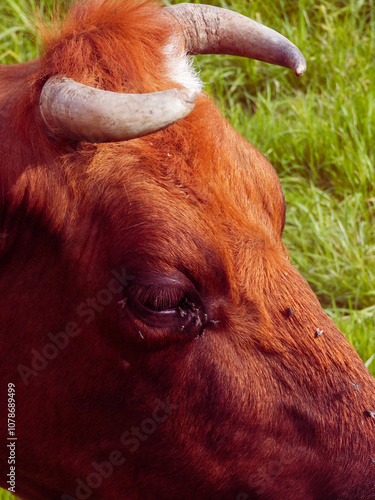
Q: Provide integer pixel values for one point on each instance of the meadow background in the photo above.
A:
(318, 132)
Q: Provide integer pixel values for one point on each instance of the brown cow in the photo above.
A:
(156, 341)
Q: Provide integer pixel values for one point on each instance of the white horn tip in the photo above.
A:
(300, 67)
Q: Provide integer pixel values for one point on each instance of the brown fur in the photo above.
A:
(263, 408)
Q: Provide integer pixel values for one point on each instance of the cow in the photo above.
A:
(157, 342)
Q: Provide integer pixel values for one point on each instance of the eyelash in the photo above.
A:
(158, 298)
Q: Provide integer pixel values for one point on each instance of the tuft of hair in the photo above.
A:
(180, 66)
(119, 45)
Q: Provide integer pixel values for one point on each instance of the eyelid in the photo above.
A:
(167, 318)
(158, 298)
(157, 280)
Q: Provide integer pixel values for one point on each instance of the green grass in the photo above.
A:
(317, 131)
(4, 495)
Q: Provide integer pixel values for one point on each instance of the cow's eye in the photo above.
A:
(166, 304)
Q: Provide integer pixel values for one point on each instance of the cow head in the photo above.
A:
(159, 341)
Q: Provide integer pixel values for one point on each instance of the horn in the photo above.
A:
(81, 113)
(213, 30)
